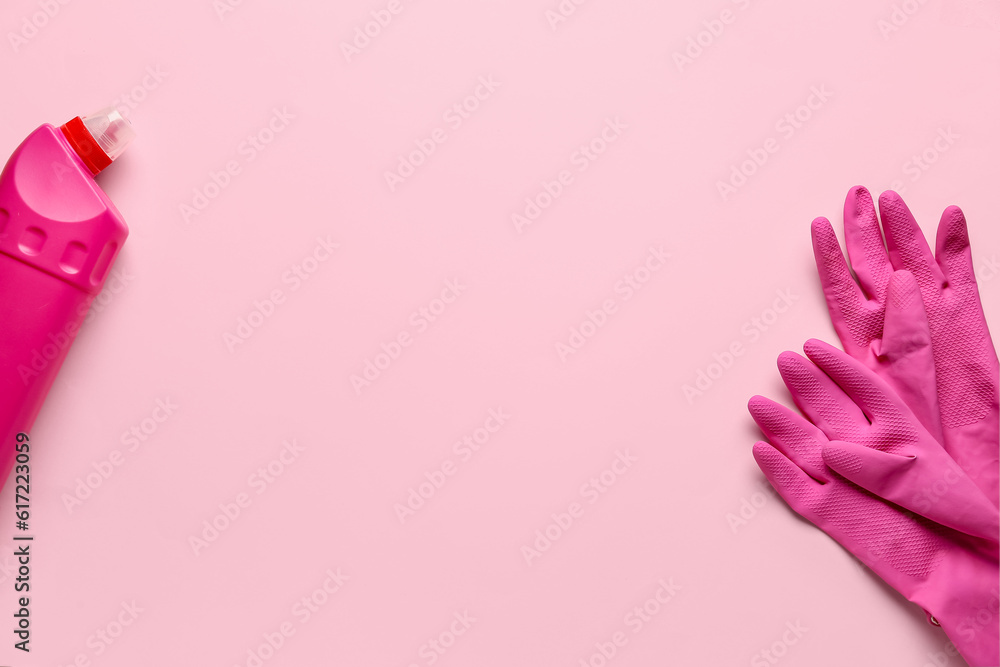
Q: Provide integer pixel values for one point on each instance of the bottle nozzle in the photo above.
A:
(99, 138)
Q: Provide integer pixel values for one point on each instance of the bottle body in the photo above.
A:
(59, 236)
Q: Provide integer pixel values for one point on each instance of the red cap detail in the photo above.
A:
(86, 147)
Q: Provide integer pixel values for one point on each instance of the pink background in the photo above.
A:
(197, 81)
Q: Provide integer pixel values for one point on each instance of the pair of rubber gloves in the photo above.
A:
(895, 454)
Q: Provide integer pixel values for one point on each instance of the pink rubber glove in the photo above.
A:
(952, 576)
(962, 413)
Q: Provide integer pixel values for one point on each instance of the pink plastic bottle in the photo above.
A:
(59, 235)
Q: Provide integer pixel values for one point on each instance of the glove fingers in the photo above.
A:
(865, 247)
(849, 309)
(906, 354)
(954, 254)
(866, 389)
(908, 248)
(820, 399)
(790, 433)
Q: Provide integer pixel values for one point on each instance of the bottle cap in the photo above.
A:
(99, 138)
